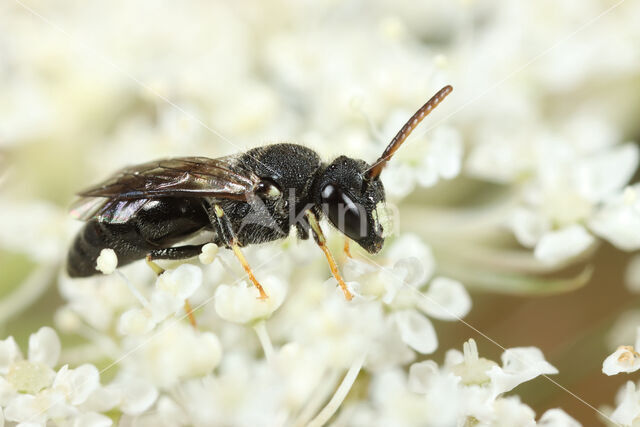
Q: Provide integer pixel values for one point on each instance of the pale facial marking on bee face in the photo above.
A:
(382, 219)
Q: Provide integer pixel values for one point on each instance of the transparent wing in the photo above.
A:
(120, 197)
(113, 211)
(179, 177)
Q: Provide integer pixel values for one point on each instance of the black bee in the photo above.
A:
(255, 197)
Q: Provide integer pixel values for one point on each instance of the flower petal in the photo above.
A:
(618, 220)
(92, 419)
(417, 331)
(44, 347)
(7, 392)
(77, 384)
(629, 408)
(421, 376)
(446, 299)
(604, 173)
(528, 227)
(519, 365)
(240, 303)
(9, 353)
(181, 282)
(137, 396)
(557, 418)
(412, 244)
(136, 321)
(558, 246)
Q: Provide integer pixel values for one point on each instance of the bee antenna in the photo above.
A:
(375, 170)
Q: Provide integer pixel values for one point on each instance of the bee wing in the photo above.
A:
(120, 197)
(113, 211)
(179, 177)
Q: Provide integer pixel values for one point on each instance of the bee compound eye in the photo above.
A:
(343, 212)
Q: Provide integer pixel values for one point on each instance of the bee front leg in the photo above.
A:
(322, 243)
(230, 239)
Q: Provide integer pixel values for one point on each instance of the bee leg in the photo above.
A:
(155, 267)
(347, 252)
(322, 243)
(228, 235)
(179, 252)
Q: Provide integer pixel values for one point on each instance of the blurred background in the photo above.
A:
(88, 87)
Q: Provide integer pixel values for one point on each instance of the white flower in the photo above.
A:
(557, 418)
(417, 331)
(45, 394)
(618, 220)
(166, 412)
(181, 282)
(399, 179)
(472, 369)
(107, 261)
(412, 245)
(136, 321)
(173, 287)
(9, 352)
(44, 347)
(92, 419)
(628, 409)
(176, 351)
(240, 303)
(624, 359)
(510, 411)
(137, 395)
(77, 384)
(35, 228)
(528, 226)
(38, 408)
(558, 246)
(443, 159)
(34, 374)
(446, 299)
(519, 365)
(603, 173)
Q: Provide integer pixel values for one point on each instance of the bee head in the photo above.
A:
(351, 193)
(352, 202)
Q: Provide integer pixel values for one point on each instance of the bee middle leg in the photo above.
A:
(178, 252)
(228, 235)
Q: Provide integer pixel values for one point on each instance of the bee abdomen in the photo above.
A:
(93, 238)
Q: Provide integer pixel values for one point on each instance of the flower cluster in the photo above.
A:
(467, 389)
(179, 360)
(532, 143)
(32, 392)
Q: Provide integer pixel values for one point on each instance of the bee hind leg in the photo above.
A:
(230, 239)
